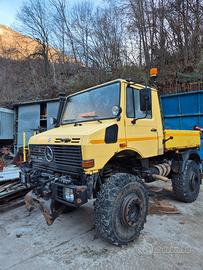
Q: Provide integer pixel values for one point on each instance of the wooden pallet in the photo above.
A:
(10, 190)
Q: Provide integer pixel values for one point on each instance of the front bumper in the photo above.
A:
(79, 194)
(52, 193)
(55, 186)
(48, 203)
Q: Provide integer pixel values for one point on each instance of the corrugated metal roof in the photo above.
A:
(35, 102)
(10, 172)
(5, 110)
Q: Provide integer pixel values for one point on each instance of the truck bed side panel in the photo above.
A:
(181, 139)
(182, 111)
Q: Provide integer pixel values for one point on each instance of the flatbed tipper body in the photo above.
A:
(181, 139)
(183, 111)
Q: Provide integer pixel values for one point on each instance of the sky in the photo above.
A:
(9, 9)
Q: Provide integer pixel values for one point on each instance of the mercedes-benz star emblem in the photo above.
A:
(49, 154)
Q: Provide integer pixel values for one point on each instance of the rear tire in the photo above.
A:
(121, 208)
(186, 185)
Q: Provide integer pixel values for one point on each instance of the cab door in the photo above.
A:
(141, 124)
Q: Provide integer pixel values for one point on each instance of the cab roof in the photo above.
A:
(136, 85)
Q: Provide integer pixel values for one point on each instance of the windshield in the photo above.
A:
(95, 104)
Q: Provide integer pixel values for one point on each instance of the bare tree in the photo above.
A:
(35, 22)
(81, 23)
(62, 23)
(107, 50)
(123, 38)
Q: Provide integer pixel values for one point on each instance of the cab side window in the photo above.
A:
(138, 103)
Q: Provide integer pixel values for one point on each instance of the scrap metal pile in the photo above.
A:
(10, 186)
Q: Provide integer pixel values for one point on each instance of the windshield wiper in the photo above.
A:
(93, 116)
(77, 124)
(72, 121)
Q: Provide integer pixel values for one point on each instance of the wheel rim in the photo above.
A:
(194, 182)
(130, 210)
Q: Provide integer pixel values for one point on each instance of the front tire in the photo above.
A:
(186, 185)
(121, 208)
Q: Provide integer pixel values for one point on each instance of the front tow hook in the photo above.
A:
(46, 205)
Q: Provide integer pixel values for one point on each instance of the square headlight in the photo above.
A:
(68, 194)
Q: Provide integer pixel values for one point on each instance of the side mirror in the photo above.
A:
(53, 121)
(116, 110)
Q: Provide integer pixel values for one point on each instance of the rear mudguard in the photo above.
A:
(180, 159)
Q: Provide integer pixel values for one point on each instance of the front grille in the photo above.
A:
(59, 192)
(66, 159)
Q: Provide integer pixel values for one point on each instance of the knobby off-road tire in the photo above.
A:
(121, 208)
(186, 185)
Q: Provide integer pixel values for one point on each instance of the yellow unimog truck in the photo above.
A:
(108, 143)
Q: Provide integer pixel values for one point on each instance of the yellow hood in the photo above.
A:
(70, 132)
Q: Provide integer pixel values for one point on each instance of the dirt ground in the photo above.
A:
(167, 241)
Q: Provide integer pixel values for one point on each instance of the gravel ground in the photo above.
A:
(167, 241)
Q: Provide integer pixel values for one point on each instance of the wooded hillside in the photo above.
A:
(73, 47)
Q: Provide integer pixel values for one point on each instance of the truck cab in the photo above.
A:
(118, 115)
(108, 143)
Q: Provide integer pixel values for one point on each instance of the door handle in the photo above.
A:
(153, 130)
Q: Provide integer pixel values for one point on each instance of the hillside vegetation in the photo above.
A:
(57, 47)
